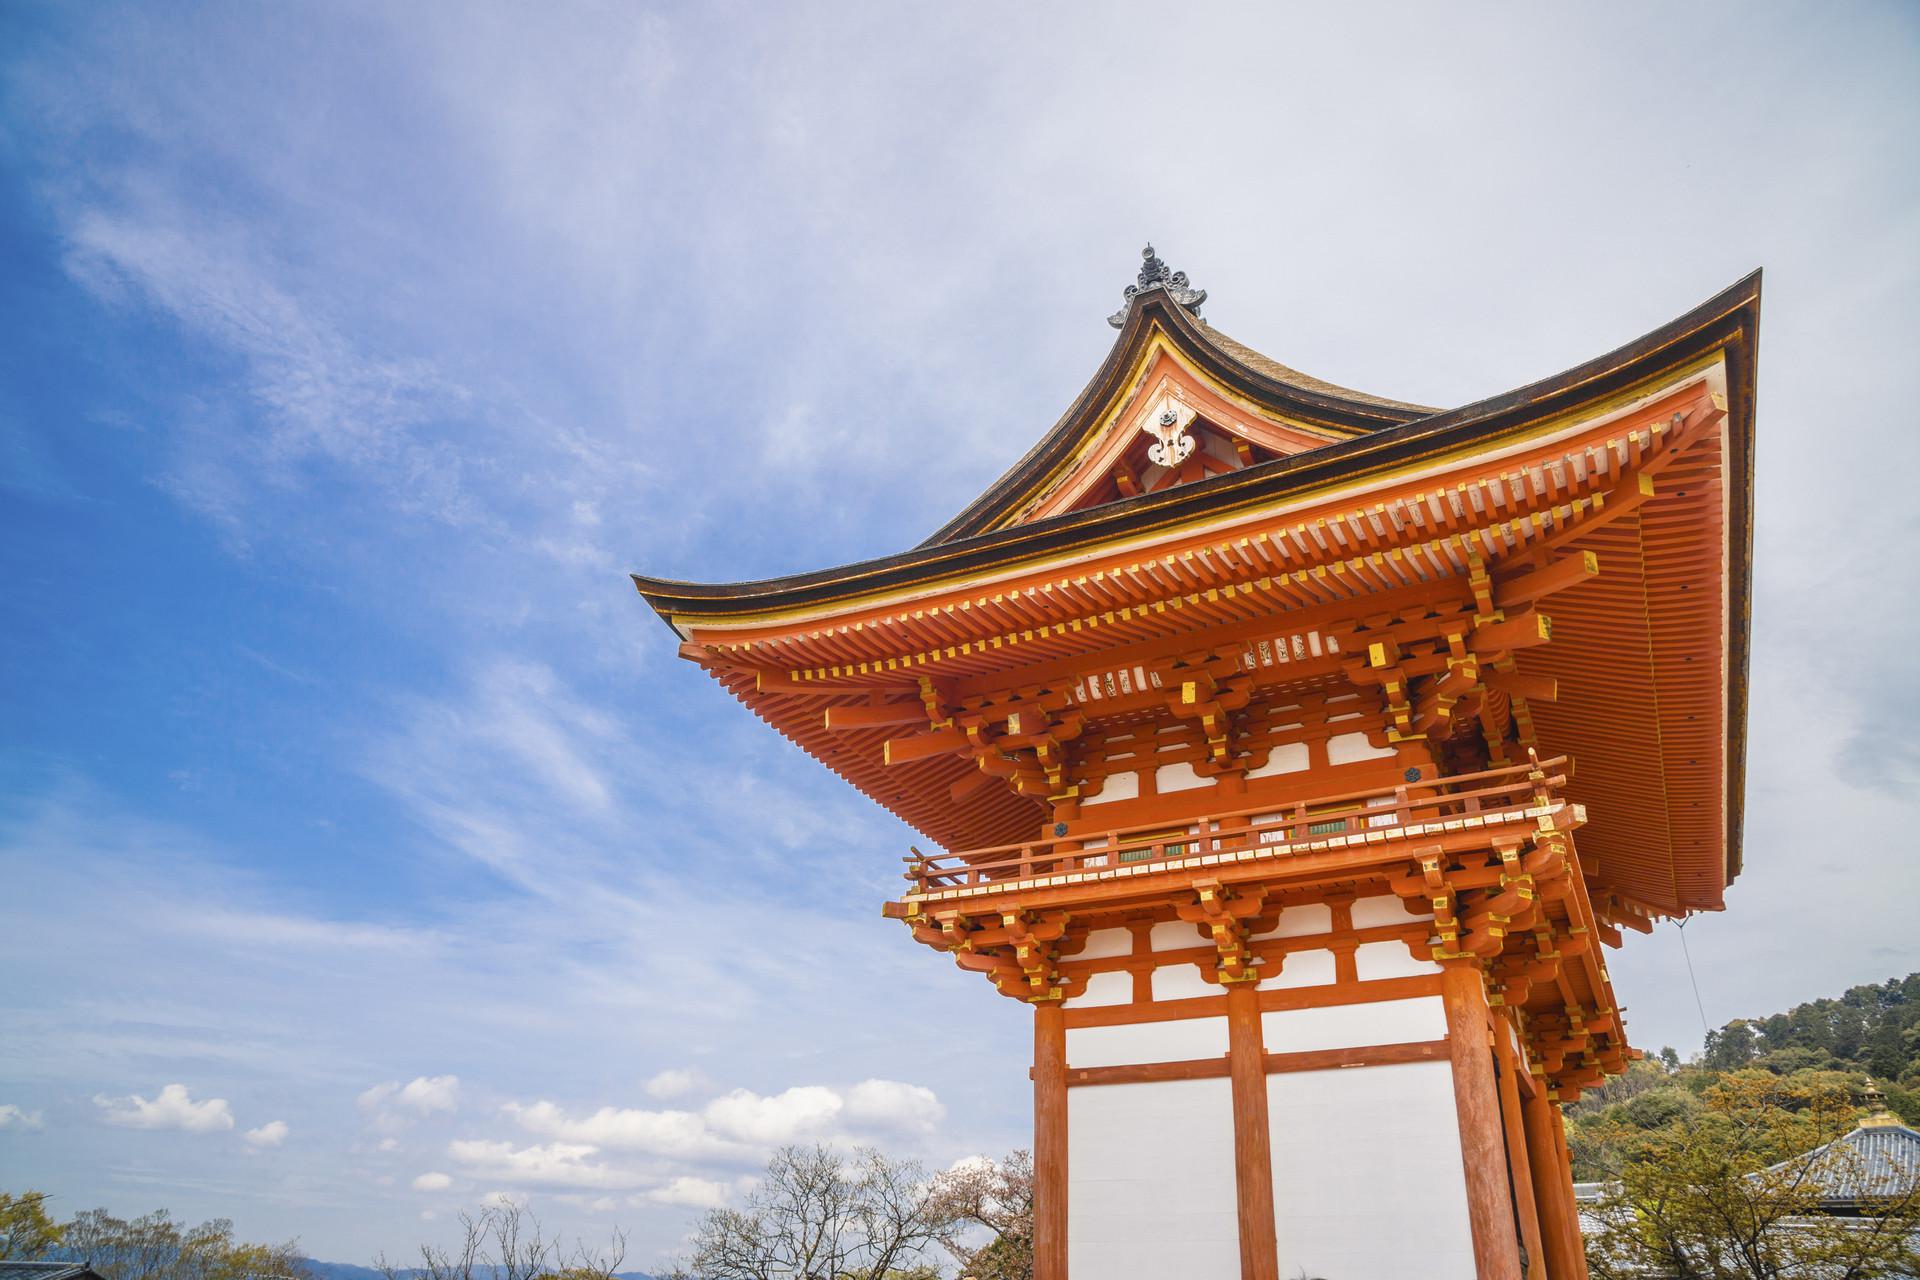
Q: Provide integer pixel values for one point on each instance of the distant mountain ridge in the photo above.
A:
(353, 1271)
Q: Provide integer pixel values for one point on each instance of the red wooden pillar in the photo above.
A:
(1496, 1249)
(1049, 1142)
(1553, 1189)
(1519, 1163)
(1575, 1243)
(1252, 1143)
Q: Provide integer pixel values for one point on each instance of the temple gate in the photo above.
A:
(1292, 752)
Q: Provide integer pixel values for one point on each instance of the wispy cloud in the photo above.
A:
(318, 396)
(449, 317)
(421, 1095)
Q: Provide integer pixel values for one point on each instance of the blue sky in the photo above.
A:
(353, 354)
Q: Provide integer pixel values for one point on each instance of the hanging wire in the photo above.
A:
(1705, 1030)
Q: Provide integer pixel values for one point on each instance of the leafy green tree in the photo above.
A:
(155, 1247)
(1731, 1191)
(26, 1231)
(1731, 1047)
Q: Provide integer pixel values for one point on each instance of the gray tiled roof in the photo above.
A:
(1872, 1162)
(45, 1271)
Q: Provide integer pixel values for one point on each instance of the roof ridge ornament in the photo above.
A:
(1154, 274)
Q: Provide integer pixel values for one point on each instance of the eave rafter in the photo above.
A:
(1413, 538)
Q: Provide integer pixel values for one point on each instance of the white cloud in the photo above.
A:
(422, 1094)
(12, 1117)
(388, 1144)
(673, 1082)
(432, 1182)
(557, 1164)
(799, 1112)
(892, 1105)
(691, 1193)
(742, 1122)
(174, 1108)
(666, 1133)
(270, 1134)
(320, 396)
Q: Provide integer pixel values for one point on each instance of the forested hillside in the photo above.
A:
(1872, 1028)
(1865, 1039)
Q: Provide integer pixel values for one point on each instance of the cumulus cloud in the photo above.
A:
(173, 1108)
(666, 1133)
(894, 1106)
(270, 1134)
(742, 1122)
(12, 1117)
(556, 1164)
(422, 1094)
(767, 1121)
(432, 1182)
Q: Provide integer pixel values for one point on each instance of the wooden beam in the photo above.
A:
(923, 746)
(1516, 685)
(1272, 1064)
(1568, 571)
(1520, 632)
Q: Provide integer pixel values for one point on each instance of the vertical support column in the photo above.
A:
(1575, 1242)
(1496, 1249)
(1519, 1162)
(1553, 1189)
(1252, 1142)
(1049, 1142)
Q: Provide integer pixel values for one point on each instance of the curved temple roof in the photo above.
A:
(1675, 587)
(1366, 436)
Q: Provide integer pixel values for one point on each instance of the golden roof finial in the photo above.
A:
(1877, 1117)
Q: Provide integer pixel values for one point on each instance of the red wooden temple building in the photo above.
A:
(1295, 755)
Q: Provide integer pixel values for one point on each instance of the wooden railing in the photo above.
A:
(1511, 789)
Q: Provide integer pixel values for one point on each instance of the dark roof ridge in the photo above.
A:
(1717, 319)
(1305, 381)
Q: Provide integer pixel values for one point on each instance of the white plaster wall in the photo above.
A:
(1298, 922)
(1176, 935)
(1175, 1040)
(1347, 1026)
(1150, 1183)
(1351, 748)
(1178, 777)
(1373, 960)
(1367, 1176)
(1103, 988)
(1181, 982)
(1300, 969)
(1290, 757)
(1386, 908)
(1118, 786)
(1102, 943)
